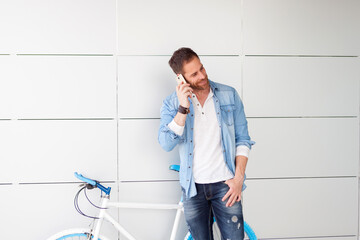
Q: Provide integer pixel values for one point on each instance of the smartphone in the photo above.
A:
(180, 78)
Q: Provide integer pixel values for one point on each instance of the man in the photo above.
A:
(207, 121)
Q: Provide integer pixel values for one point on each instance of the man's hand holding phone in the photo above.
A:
(183, 91)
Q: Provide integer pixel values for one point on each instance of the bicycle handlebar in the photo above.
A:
(106, 190)
(84, 179)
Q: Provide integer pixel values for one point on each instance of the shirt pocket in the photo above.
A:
(227, 113)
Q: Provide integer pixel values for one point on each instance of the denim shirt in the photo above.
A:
(231, 119)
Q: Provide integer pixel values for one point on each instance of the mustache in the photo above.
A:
(196, 86)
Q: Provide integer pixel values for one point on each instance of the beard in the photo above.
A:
(203, 86)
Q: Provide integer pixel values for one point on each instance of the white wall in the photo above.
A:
(82, 82)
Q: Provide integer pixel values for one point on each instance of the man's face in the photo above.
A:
(195, 74)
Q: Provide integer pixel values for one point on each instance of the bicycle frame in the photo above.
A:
(105, 203)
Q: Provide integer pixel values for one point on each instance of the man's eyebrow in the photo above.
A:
(194, 73)
(202, 66)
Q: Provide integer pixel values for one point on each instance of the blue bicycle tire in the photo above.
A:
(78, 234)
(249, 232)
(188, 236)
(73, 235)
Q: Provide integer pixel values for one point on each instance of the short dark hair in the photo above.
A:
(179, 57)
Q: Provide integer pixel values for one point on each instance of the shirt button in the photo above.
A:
(218, 113)
(192, 115)
(224, 150)
(191, 128)
(190, 153)
(190, 140)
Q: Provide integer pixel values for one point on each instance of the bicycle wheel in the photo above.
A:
(72, 234)
(249, 232)
(188, 236)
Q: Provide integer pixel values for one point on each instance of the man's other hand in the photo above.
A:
(234, 193)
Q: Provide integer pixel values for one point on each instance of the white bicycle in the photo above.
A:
(94, 233)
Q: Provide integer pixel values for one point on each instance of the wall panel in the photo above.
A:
(58, 26)
(287, 86)
(140, 155)
(286, 208)
(160, 27)
(144, 82)
(226, 70)
(39, 211)
(51, 151)
(7, 88)
(324, 27)
(65, 87)
(7, 137)
(303, 147)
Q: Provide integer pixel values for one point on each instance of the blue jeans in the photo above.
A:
(199, 212)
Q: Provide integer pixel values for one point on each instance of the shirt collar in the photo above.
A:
(211, 94)
(213, 86)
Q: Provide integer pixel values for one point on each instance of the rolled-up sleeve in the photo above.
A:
(242, 150)
(176, 128)
(242, 137)
(167, 138)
